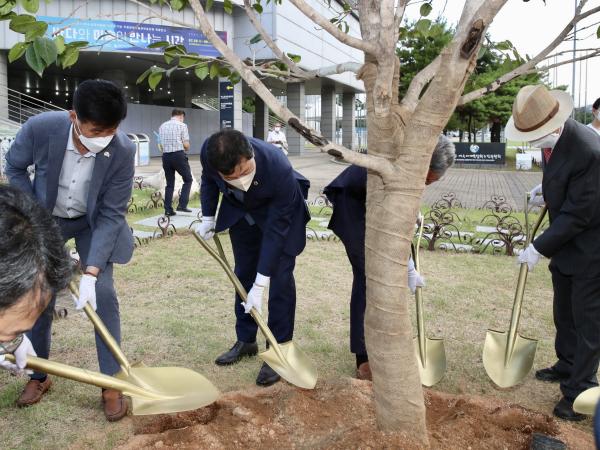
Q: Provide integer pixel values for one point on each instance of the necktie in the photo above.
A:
(547, 154)
(239, 196)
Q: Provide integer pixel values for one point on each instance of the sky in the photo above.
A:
(531, 26)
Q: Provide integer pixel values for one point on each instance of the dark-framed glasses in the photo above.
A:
(11, 346)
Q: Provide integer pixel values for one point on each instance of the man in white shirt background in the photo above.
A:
(175, 143)
(595, 124)
(277, 138)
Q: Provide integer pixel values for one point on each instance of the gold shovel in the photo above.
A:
(586, 402)
(431, 354)
(153, 390)
(508, 357)
(289, 361)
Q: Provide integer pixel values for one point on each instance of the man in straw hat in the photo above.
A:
(571, 191)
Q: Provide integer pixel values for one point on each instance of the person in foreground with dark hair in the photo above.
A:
(84, 169)
(174, 144)
(264, 208)
(34, 264)
(348, 193)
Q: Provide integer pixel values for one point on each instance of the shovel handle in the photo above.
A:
(87, 377)
(220, 257)
(102, 331)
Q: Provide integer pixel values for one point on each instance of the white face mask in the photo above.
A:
(243, 183)
(548, 141)
(277, 129)
(96, 144)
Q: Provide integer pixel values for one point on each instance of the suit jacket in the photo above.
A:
(571, 188)
(348, 193)
(275, 201)
(42, 141)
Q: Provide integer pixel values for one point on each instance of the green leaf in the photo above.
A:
(504, 45)
(425, 9)
(160, 44)
(17, 51)
(228, 7)
(188, 61)
(177, 5)
(8, 15)
(295, 58)
(34, 61)
(482, 51)
(169, 57)
(78, 44)
(21, 23)
(59, 41)
(598, 33)
(258, 8)
(422, 26)
(37, 29)
(7, 7)
(224, 72)
(201, 71)
(69, 57)
(209, 5)
(155, 78)
(214, 70)
(31, 6)
(45, 49)
(235, 78)
(143, 76)
(256, 39)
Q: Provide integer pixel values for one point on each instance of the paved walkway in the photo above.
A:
(472, 187)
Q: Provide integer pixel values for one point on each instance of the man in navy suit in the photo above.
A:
(84, 169)
(348, 193)
(264, 208)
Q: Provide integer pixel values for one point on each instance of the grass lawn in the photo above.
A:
(176, 308)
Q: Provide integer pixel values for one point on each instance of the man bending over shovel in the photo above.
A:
(571, 190)
(264, 209)
(348, 193)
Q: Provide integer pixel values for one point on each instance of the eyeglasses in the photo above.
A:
(11, 346)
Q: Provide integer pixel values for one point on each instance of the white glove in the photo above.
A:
(530, 256)
(21, 353)
(206, 228)
(414, 278)
(535, 196)
(87, 292)
(254, 299)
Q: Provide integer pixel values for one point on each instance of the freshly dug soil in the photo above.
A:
(340, 415)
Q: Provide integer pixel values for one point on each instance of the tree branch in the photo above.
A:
(419, 82)
(399, 13)
(332, 29)
(268, 40)
(336, 69)
(529, 65)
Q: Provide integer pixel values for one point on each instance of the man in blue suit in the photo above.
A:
(84, 169)
(348, 193)
(264, 208)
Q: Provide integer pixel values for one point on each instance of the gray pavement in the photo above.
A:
(472, 187)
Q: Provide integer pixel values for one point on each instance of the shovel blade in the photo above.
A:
(517, 366)
(174, 389)
(295, 367)
(433, 368)
(586, 402)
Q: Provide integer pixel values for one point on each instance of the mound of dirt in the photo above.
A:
(340, 415)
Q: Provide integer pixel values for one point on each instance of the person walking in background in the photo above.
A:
(84, 168)
(277, 138)
(175, 143)
(595, 123)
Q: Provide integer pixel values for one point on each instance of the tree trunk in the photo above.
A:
(392, 204)
(495, 131)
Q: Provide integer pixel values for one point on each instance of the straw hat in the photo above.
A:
(537, 112)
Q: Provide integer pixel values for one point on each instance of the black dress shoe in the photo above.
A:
(170, 213)
(267, 376)
(188, 210)
(551, 375)
(236, 353)
(564, 410)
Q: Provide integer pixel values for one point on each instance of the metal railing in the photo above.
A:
(22, 106)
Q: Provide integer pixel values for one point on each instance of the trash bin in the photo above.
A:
(136, 141)
(143, 155)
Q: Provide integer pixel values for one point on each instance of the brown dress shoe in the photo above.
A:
(33, 392)
(364, 372)
(115, 405)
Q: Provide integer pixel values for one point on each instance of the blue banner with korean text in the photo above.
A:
(129, 37)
